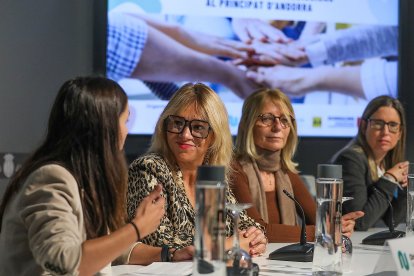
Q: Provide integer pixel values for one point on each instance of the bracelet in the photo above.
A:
(171, 254)
(393, 176)
(136, 230)
(165, 253)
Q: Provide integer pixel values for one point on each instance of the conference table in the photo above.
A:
(366, 259)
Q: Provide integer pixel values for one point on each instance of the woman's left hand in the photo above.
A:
(258, 241)
(348, 222)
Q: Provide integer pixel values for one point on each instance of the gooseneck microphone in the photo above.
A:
(298, 252)
(303, 230)
(380, 237)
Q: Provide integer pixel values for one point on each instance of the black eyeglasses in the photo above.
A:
(198, 128)
(269, 119)
(378, 124)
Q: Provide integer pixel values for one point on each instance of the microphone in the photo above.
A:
(298, 252)
(380, 237)
(303, 230)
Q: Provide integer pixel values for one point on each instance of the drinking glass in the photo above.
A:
(239, 261)
(409, 230)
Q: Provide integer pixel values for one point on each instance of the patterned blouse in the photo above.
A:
(177, 227)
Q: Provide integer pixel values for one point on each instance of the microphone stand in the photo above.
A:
(380, 237)
(298, 252)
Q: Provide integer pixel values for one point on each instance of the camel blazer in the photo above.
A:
(43, 226)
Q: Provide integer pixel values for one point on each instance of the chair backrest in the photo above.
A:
(309, 181)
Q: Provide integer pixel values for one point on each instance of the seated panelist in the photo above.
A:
(192, 130)
(374, 169)
(263, 168)
(64, 210)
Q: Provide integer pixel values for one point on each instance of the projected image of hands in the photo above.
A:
(161, 50)
(315, 56)
(238, 55)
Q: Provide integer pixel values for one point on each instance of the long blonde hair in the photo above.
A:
(245, 146)
(209, 105)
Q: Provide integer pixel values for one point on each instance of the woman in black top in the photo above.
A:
(374, 170)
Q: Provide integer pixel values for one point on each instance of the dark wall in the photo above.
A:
(313, 151)
(406, 69)
(43, 43)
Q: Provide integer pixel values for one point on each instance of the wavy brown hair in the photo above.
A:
(83, 136)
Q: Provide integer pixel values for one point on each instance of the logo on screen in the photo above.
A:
(317, 122)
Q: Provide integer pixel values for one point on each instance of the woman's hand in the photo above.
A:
(400, 173)
(291, 80)
(348, 222)
(257, 240)
(248, 30)
(184, 254)
(150, 212)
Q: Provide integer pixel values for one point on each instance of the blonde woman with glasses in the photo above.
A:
(374, 168)
(265, 145)
(192, 130)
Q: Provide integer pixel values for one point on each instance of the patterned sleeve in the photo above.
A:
(144, 173)
(244, 222)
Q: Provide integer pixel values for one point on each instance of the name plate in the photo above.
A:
(402, 250)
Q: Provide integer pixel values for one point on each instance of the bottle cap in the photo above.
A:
(329, 171)
(211, 173)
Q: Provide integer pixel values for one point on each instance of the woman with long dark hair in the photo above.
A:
(64, 211)
(373, 164)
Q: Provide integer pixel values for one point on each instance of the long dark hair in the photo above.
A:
(396, 154)
(83, 136)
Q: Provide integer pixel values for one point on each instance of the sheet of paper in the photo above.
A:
(162, 269)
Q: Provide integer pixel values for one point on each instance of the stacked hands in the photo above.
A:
(264, 51)
(260, 54)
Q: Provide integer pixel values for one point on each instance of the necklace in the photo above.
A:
(268, 180)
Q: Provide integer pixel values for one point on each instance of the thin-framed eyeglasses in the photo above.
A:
(198, 128)
(268, 119)
(378, 124)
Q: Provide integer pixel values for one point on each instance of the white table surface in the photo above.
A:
(364, 260)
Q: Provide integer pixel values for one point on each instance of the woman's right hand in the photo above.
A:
(150, 212)
(400, 172)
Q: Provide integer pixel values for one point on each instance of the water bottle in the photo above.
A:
(327, 258)
(210, 222)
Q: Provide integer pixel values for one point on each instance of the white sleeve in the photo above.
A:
(317, 53)
(379, 77)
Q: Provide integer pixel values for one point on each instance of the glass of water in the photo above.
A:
(238, 260)
(410, 201)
